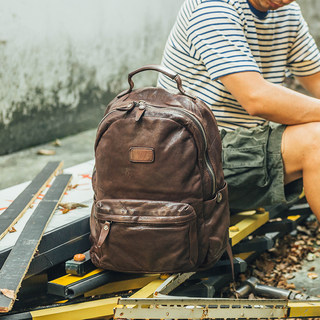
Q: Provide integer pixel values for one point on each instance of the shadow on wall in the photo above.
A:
(63, 61)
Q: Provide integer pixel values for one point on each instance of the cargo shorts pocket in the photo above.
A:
(245, 166)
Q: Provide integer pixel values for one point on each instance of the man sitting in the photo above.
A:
(235, 56)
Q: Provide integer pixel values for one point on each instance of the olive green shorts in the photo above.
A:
(253, 168)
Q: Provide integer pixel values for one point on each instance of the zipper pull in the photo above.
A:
(141, 110)
(129, 107)
(104, 233)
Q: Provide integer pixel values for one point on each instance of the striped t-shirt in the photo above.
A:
(213, 38)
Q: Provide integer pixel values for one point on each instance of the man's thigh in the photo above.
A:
(253, 167)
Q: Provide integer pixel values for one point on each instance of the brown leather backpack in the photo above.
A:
(160, 199)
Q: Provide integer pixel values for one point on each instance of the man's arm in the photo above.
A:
(271, 101)
(311, 84)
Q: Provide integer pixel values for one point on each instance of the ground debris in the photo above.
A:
(276, 267)
(72, 205)
(12, 229)
(312, 275)
(46, 152)
(8, 293)
(57, 143)
(72, 186)
(67, 206)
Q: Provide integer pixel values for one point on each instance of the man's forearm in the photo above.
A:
(286, 106)
(271, 101)
(311, 84)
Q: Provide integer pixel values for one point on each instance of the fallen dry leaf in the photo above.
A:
(72, 205)
(310, 257)
(13, 229)
(289, 276)
(46, 152)
(312, 269)
(8, 293)
(290, 286)
(293, 258)
(303, 229)
(258, 273)
(312, 275)
(70, 187)
(56, 143)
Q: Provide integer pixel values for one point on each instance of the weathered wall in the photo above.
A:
(62, 60)
(311, 12)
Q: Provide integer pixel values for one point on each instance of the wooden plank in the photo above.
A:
(17, 208)
(304, 309)
(148, 290)
(102, 309)
(123, 285)
(243, 224)
(19, 259)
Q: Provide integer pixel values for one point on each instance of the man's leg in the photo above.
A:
(301, 157)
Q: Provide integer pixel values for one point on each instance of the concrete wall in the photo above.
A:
(311, 12)
(61, 61)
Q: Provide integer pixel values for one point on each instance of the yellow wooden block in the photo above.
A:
(102, 308)
(244, 255)
(304, 309)
(246, 223)
(123, 285)
(294, 218)
(148, 290)
(69, 278)
(84, 310)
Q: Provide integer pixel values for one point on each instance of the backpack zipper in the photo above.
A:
(129, 107)
(106, 115)
(201, 128)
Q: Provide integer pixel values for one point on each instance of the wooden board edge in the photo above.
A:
(53, 174)
(5, 309)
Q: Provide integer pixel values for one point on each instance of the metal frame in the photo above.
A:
(191, 308)
(152, 301)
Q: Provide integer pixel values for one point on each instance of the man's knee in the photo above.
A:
(303, 139)
(300, 149)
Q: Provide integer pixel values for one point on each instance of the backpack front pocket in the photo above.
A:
(145, 236)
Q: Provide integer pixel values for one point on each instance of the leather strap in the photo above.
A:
(162, 69)
(230, 255)
(104, 233)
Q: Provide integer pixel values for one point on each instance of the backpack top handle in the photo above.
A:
(162, 69)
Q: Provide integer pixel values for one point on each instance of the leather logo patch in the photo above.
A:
(141, 154)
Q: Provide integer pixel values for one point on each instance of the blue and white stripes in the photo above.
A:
(213, 38)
